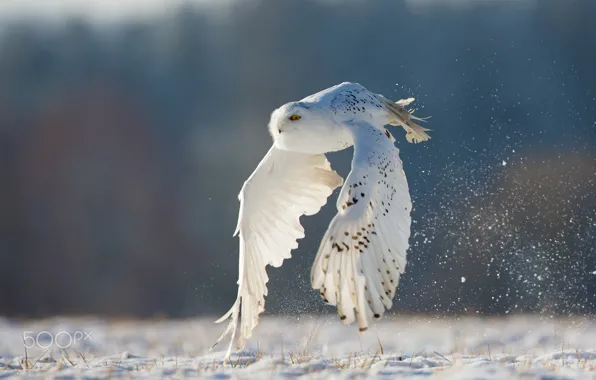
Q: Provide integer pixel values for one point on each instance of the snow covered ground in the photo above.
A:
(403, 347)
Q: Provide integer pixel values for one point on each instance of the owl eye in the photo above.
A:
(295, 117)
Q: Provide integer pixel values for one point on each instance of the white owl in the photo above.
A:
(363, 252)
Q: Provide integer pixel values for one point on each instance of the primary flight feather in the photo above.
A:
(363, 252)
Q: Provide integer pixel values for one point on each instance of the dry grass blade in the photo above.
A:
(83, 358)
(65, 356)
(283, 356)
(374, 357)
(442, 357)
(39, 358)
(380, 345)
(25, 363)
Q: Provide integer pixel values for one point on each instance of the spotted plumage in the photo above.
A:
(363, 253)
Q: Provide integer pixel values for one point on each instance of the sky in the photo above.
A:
(98, 10)
(117, 10)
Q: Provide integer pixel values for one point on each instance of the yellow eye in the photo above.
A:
(295, 117)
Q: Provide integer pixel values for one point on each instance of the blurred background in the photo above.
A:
(127, 129)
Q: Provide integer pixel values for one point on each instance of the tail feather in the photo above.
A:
(405, 118)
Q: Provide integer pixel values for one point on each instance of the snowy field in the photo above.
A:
(403, 347)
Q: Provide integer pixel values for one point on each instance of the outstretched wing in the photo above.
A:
(363, 252)
(284, 186)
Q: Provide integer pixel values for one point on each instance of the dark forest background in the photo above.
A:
(123, 145)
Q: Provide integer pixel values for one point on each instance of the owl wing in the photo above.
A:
(284, 186)
(363, 253)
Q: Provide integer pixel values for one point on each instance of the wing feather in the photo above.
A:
(363, 252)
(284, 186)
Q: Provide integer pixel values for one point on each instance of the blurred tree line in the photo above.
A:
(123, 147)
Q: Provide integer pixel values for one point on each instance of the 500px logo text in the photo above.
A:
(61, 339)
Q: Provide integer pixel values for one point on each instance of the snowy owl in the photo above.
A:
(363, 253)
